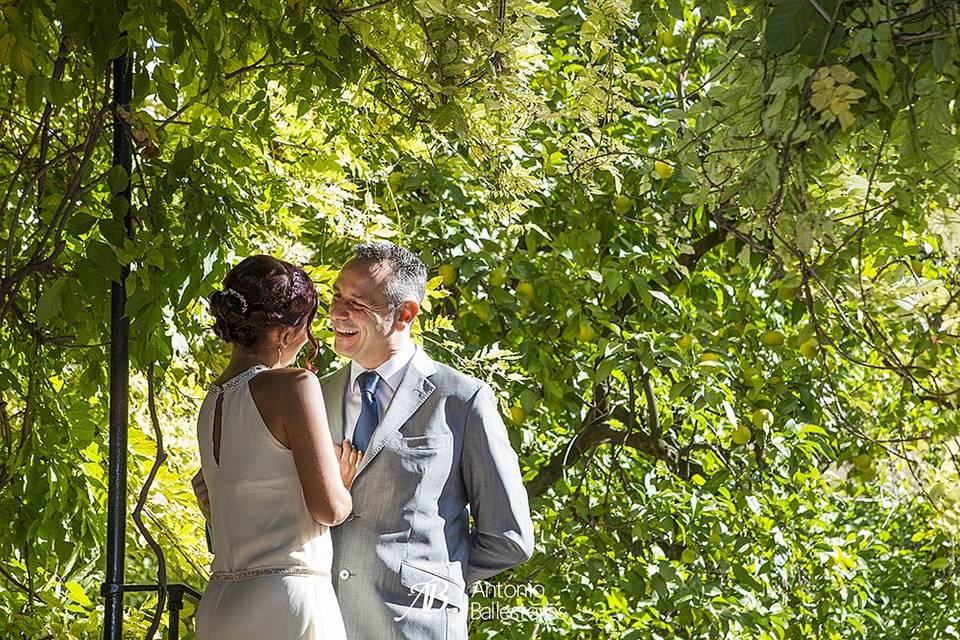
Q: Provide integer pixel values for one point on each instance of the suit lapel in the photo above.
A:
(414, 389)
(333, 387)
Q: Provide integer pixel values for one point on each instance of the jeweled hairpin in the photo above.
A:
(243, 301)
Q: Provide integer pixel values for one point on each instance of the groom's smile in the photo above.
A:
(343, 336)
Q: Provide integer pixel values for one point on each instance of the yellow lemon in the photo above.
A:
(482, 309)
(586, 333)
(525, 290)
(761, 418)
(787, 293)
(663, 169)
(709, 357)
(810, 348)
(742, 434)
(772, 338)
(498, 276)
(448, 273)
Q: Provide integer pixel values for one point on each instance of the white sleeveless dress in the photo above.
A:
(271, 567)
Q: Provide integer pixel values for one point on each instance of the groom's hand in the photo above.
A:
(200, 490)
(349, 457)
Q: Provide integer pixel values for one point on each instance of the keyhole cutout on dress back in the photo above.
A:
(217, 428)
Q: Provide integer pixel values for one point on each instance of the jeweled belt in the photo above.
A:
(247, 574)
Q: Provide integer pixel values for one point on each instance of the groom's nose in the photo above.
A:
(337, 310)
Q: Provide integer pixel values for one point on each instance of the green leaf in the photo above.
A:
(50, 302)
(117, 179)
(113, 231)
(36, 88)
(943, 54)
(787, 22)
(78, 595)
(606, 367)
(182, 160)
(166, 91)
(80, 223)
(119, 206)
(15, 55)
(664, 298)
(104, 258)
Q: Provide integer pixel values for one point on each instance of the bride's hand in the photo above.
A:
(349, 457)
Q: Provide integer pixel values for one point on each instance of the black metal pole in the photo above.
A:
(173, 621)
(119, 378)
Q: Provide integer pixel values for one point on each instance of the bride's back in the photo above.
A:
(258, 514)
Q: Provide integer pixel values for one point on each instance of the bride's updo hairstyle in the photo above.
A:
(260, 294)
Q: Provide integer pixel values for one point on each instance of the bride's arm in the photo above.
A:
(318, 466)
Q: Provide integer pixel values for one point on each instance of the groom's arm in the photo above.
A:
(502, 536)
(200, 491)
(203, 499)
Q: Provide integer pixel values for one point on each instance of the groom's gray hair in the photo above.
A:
(408, 275)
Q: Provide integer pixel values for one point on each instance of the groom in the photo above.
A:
(436, 457)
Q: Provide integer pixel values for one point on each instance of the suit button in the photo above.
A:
(351, 517)
(344, 574)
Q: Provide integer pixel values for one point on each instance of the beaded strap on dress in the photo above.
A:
(237, 380)
(247, 574)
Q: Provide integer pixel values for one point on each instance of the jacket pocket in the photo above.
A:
(422, 443)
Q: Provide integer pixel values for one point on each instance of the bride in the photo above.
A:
(275, 481)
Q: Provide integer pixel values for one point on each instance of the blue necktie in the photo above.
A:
(369, 411)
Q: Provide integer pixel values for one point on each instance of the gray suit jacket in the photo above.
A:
(439, 456)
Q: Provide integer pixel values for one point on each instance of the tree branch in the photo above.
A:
(144, 494)
(596, 431)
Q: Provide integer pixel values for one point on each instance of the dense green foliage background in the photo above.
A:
(708, 253)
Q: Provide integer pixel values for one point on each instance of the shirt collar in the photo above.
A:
(390, 371)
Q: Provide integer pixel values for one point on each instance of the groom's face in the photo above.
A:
(362, 320)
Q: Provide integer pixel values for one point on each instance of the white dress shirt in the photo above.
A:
(391, 373)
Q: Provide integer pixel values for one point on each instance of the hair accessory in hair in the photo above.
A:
(239, 296)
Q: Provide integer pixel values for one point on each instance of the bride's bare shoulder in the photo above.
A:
(278, 392)
(285, 381)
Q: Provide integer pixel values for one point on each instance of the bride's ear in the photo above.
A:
(286, 336)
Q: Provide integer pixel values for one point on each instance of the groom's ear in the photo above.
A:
(407, 312)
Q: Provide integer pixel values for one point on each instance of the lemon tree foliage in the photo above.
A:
(707, 253)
